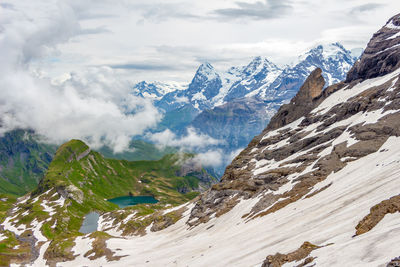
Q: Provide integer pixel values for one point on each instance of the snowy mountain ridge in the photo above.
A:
(260, 78)
(156, 90)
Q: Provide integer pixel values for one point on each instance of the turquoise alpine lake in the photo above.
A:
(90, 223)
(127, 201)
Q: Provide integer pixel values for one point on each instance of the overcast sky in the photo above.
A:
(168, 39)
(67, 67)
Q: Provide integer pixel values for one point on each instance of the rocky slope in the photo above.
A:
(317, 133)
(235, 122)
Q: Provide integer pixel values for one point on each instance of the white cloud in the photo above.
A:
(215, 157)
(212, 158)
(192, 140)
(94, 105)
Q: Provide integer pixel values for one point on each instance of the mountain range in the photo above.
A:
(237, 104)
(261, 79)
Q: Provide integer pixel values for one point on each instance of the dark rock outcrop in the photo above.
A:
(279, 259)
(302, 103)
(377, 213)
(394, 262)
(382, 54)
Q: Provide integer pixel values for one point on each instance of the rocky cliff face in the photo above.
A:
(302, 103)
(382, 54)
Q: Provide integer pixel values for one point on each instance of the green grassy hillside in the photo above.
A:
(79, 181)
(98, 177)
(23, 161)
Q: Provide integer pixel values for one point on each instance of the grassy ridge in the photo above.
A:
(106, 178)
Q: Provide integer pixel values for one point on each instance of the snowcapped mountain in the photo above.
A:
(317, 187)
(255, 78)
(260, 79)
(204, 87)
(257, 90)
(156, 90)
(212, 101)
(334, 60)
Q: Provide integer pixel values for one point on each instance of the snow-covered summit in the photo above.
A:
(156, 90)
(257, 65)
(205, 72)
(332, 50)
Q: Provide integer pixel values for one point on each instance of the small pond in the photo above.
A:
(90, 223)
(127, 201)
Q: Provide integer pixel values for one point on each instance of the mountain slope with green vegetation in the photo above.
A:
(79, 181)
(23, 161)
(77, 165)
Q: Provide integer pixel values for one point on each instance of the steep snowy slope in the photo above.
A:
(319, 186)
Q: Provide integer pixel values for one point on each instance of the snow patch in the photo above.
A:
(344, 94)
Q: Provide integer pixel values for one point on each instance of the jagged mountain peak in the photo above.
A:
(333, 59)
(205, 85)
(206, 70)
(156, 90)
(326, 51)
(259, 64)
(260, 78)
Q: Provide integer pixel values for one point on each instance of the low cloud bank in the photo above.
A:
(209, 151)
(192, 140)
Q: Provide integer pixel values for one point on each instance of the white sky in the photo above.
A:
(167, 40)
